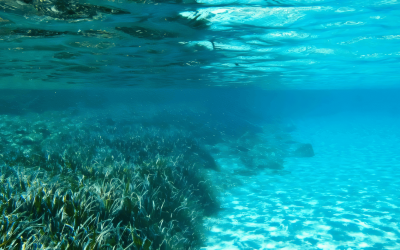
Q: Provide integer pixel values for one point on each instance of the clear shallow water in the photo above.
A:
(345, 197)
(229, 81)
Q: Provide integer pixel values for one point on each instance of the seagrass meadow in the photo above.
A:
(102, 187)
(84, 179)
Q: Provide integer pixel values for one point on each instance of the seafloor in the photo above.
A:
(345, 197)
(151, 176)
(75, 179)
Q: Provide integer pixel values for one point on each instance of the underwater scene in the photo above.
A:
(199, 124)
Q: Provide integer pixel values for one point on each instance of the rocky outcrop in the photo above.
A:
(303, 150)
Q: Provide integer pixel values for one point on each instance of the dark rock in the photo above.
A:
(304, 150)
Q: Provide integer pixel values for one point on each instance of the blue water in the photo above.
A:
(250, 81)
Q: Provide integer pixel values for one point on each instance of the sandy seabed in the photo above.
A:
(345, 197)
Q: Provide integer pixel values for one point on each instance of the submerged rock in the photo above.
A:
(304, 150)
(272, 164)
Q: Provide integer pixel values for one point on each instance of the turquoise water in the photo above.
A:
(346, 197)
(296, 44)
(194, 124)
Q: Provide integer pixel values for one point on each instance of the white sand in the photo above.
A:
(346, 197)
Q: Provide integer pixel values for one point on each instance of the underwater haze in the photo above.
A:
(199, 124)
